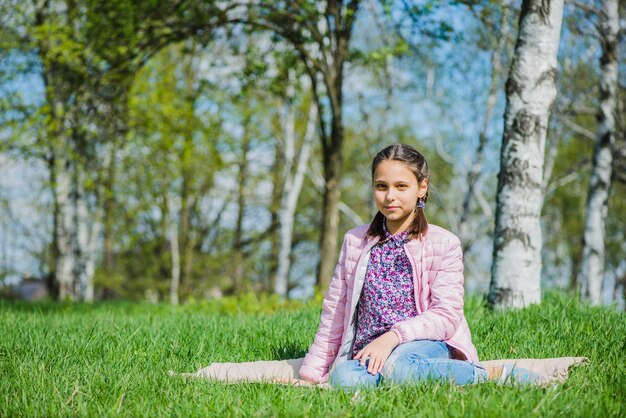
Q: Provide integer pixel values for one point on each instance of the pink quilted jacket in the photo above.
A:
(437, 262)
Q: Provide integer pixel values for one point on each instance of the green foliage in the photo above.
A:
(249, 303)
(127, 75)
(113, 359)
(564, 209)
(616, 226)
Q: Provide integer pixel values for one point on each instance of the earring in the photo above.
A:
(421, 203)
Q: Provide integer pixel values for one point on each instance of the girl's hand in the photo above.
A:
(378, 351)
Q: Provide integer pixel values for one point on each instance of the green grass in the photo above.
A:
(112, 359)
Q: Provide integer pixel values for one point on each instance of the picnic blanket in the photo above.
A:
(552, 370)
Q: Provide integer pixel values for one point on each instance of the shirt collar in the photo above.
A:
(398, 239)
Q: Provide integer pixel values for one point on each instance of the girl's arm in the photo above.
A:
(328, 338)
(442, 318)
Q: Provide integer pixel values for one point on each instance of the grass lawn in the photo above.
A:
(112, 359)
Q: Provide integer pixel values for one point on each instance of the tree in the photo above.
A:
(88, 53)
(294, 171)
(530, 91)
(497, 42)
(320, 32)
(591, 272)
(171, 128)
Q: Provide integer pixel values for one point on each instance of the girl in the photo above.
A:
(394, 307)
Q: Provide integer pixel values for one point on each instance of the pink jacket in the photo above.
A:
(437, 263)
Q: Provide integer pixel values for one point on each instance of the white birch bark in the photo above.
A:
(91, 256)
(291, 192)
(64, 226)
(530, 91)
(89, 229)
(174, 249)
(87, 226)
(82, 241)
(591, 272)
(90, 252)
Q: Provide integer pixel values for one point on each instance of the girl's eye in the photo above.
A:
(380, 187)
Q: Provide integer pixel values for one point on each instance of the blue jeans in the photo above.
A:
(411, 362)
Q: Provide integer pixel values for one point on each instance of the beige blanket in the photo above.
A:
(552, 370)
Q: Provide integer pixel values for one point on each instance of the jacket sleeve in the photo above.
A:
(445, 312)
(330, 331)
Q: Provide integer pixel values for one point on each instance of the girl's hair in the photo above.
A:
(415, 162)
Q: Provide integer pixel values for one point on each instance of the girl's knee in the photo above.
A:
(408, 368)
(340, 374)
(351, 374)
(424, 349)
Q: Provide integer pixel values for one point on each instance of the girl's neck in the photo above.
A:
(394, 228)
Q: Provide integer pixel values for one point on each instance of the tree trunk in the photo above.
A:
(277, 192)
(285, 217)
(165, 246)
(51, 278)
(188, 254)
(90, 224)
(530, 92)
(65, 260)
(185, 209)
(90, 259)
(188, 194)
(175, 251)
(238, 256)
(321, 36)
(291, 192)
(68, 99)
(333, 150)
(333, 161)
(81, 279)
(60, 162)
(108, 208)
(591, 271)
(467, 235)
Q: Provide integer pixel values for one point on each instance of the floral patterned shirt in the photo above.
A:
(388, 292)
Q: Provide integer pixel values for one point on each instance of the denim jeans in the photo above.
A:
(411, 362)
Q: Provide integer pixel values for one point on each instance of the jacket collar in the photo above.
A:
(370, 241)
(415, 244)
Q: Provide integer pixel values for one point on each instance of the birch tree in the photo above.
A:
(499, 43)
(92, 90)
(530, 92)
(62, 52)
(293, 181)
(591, 272)
(243, 167)
(175, 251)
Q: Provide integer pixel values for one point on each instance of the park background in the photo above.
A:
(176, 176)
(181, 151)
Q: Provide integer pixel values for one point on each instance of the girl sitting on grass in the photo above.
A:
(394, 307)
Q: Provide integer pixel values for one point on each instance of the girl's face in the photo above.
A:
(396, 192)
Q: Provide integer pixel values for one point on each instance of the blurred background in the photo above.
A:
(185, 150)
